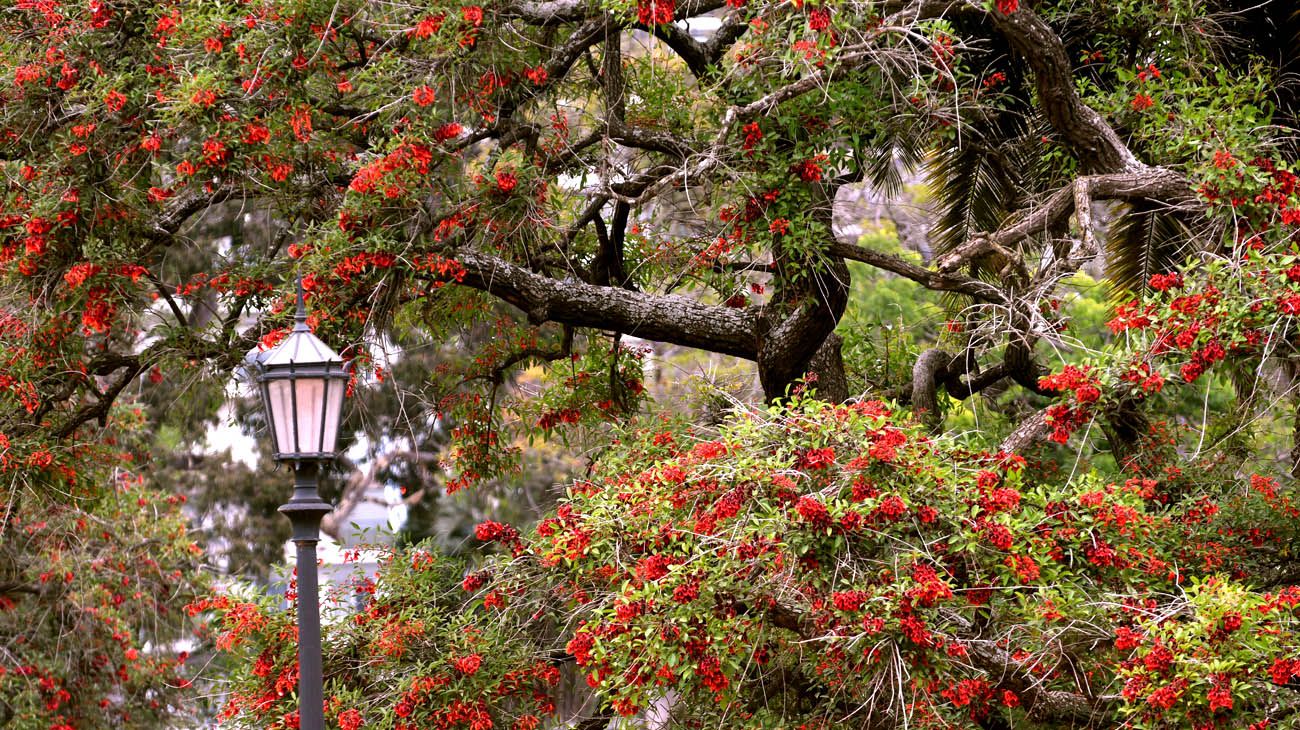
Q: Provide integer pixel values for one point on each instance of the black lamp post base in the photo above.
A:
(305, 510)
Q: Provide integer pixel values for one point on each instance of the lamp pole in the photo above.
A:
(302, 383)
(305, 510)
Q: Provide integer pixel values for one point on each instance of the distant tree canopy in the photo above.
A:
(1005, 518)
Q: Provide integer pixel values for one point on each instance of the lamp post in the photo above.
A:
(302, 383)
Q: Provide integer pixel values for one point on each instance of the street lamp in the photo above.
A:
(302, 383)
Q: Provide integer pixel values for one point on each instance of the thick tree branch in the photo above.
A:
(1031, 431)
(1098, 146)
(1054, 705)
(660, 318)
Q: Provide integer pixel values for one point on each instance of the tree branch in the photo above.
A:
(936, 280)
(1099, 147)
(658, 317)
(1149, 183)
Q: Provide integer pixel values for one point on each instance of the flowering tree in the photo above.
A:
(540, 183)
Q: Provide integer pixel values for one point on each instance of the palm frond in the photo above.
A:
(980, 179)
(1143, 240)
(902, 151)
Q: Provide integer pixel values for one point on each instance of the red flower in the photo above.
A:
(1220, 695)
(817, 458)
(655, 12)
(1167, 696)
(350, 720)
(115, 100)
(849, 601)
(813, 511)
(424, 95)
(256, 133)
(301, 122)
(490, 531)
(1148, 73)
(1163, 282)
(1141, 102)
(1283, 670)
(999, 536)
(467, 665)
(1126, 638)
(753, 135)
(1007, 7)
(891, 508)
(580, 647)
(809, 170)
(688, 591)
(451, 130)
(428, 26)
(819, 19)
(473, 15)
(537, 75)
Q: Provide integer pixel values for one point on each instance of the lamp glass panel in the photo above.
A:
(311, 404)
(280, 404)
(333, 407)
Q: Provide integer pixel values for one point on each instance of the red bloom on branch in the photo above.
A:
(424, 95)
(350, 720)
(427, 26)
(537, 76)
(813, 512)
(819, 19)
(655, 12)
(809, 170)
(300, 120)
(753, 135)
(256, 133)
(849, 601)
(115, 100)
(451, 130)
(490, 531)
(1007, 7)
(506, 182)
(467, 665)
(817, 458)
(1283, 670)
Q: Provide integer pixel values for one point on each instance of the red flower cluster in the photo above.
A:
(489, 531)
(423, 95)
(655, 12)
(1080, 380)
(813, 512)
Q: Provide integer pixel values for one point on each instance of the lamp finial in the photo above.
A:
(300, 317)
